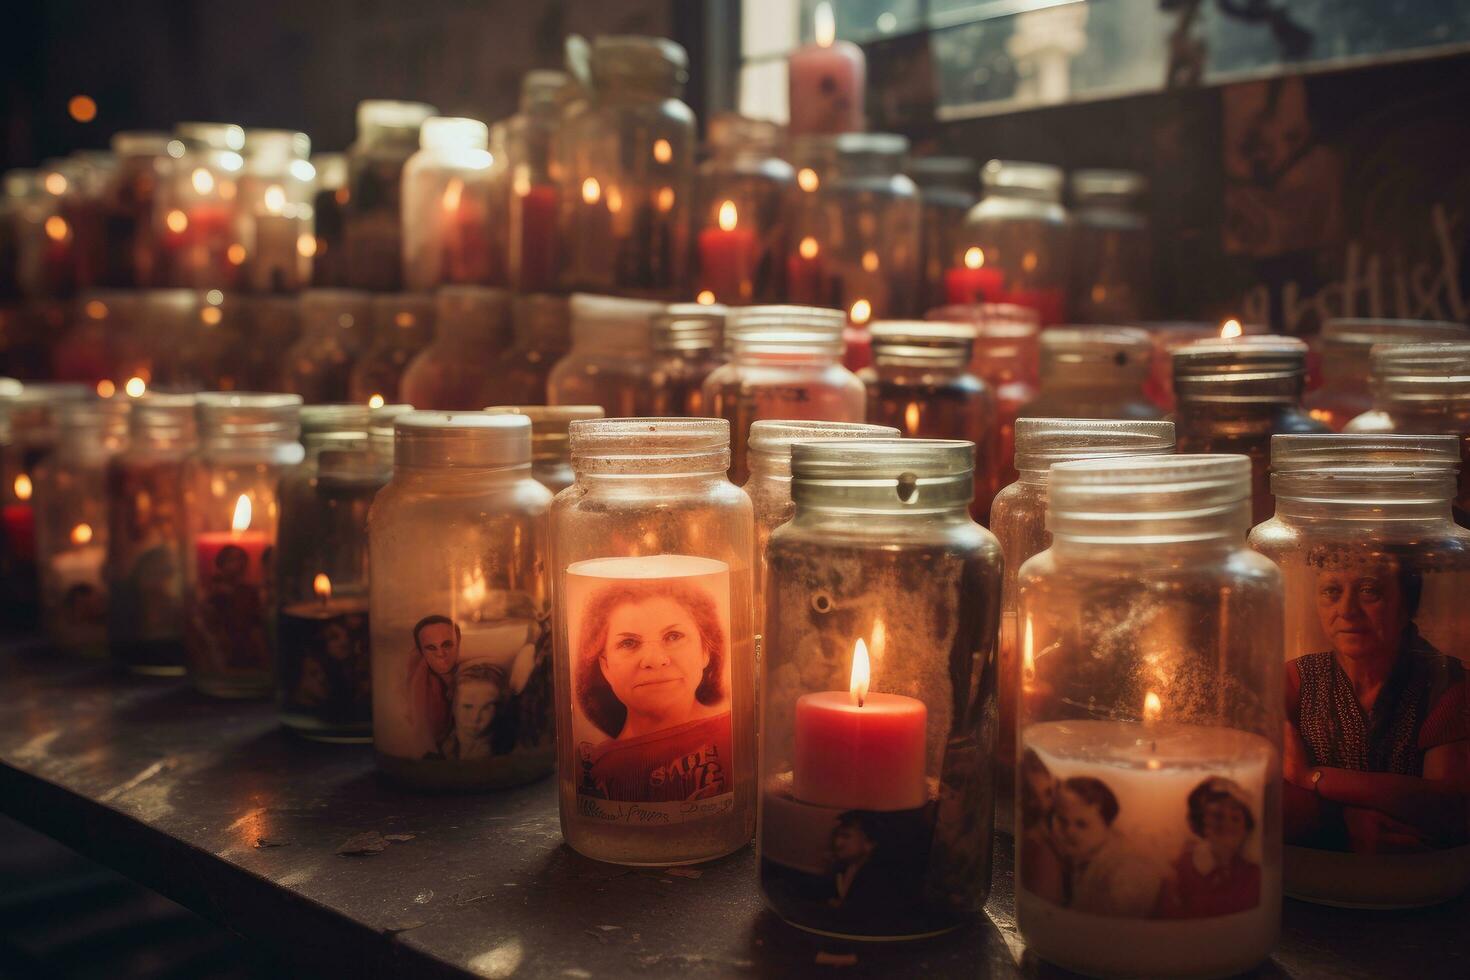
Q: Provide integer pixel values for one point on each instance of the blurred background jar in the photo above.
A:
(1235, 395)
(1111, 250)
(71, 521)
(275, 210)
(948, 189)
(208, 349)
(130, 238)
(83, 206)
(1014, 245)
(1170, 335)
(740, 234)
(387, 135)
(46, 265)
(920, 383)
(195, 214)
(16, 189)
(533, 251)
(551, 452)
(147, 540)
(274, 325)
(1345, 343)
(457, 370)
(334, 328)
(402, 326)
(99, 324)
(611, 362)
(454, 196)
(542, 328)
(1093, 373)
(688, 345)
(330, 195)
(628, 156)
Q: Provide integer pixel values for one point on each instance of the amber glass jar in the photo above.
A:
(1345, 344)
(402, 325)
(1093, 373)
(335, 324)
(1233, 396)
(329, 215)
(387, 135)
(1111, 248)
(652, 559)
(611, 362)
(471, 334)
(1014, 246)
(948, 189)
(454, 198)
(1377, 634)
(688, 345)
(740, 233)
(551, 448)
(530, 136)
(542, 328)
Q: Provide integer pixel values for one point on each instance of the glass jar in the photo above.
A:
(247, 443)
(530, 136)
(84, 210)
(1093, 373)
(776, 372)
(1112, 255)
(45, 240)
(740, 232)
(273, 327)
(1376, 573)
(653, 546)
(628, 156)
(101, 323)
(147, 541)
(1346, 344)
(879, 693)
(1233, 396)
(17, 189)
(170, 318)
(274, 201)
(920, 382)
(334, 328)
(71, 521)
(403, 325)
(551, 450)
(196, 211)
(854, 226)
(611, 361)
(1014, 246)
(330, 195)
(948, 189)
(1148, 810)
(462, 689)
(1423, 389)
(542, 325)
(454, 193)
(212, 350)
(456, 372)
(129, 239)
(1018, 521)
(688, 345)
(387, 135)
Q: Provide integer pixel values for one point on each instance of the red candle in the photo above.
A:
(727, 258)
(825, 82)
(20, 531)
(806, 279)
(1049, 303)
(537, 238)
(209, 544)
(860, 751)
(964, 284)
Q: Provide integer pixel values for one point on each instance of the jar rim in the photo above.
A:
(1363, 333)
(469, 440)
(1041, 442)
(1164, 499)
(320, 418)
(1314, 451)
(776, 436)
(649, 445)
(880, 459)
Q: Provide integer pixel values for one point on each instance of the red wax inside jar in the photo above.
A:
(965, 285)
(1048, 303)
(806, 280)
(20, 531)
(727, 263)
(860, 758)
(209, 544)
(538, 239)
(857, 347)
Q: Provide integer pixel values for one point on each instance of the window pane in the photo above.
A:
(763, 90)
(768, 27)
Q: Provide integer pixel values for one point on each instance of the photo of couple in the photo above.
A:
(1072, 854)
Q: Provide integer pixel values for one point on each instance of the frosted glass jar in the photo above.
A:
(402, 325)
(1111, 248)
(456, 372)
(740, 230)
(611, 362)
(1014, 246)
(387, 135)
(1093, 373)
(551, 448)
(454, 198)
(335, 324)
(1346, 343)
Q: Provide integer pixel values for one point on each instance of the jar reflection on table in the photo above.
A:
(454, 196)
(335, 324)
(688, 346)
(130, 239)
(402, 325)
(1148, 813)
(461, 651)
(387, 135)
(1014, 246)
(542, 327)
(1093, 373)
(948, 189)
(920, 382)
(147, 543)
(329, 215)
(471, 335)
(551, 450)
(196, 210)
(247, 444)
(627, 154)
(1018, 521)
(1345, 392)
(533, 250)
(879, 693)
(1111, 249)
(611, 362)
(739, 233)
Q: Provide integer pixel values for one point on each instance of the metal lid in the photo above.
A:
(928, 341)
(639, 59)
(215, 136)
(171, 416)
(140, 143)
(1121, 349)
(1254, 368)
(453, 133)
(777, 436)
(1362, 333)
(1042, 442)
(461, 440)
(316, 419)
(1019, 176)
(917, 475)
(390, 114)
(1420, 373)
(650, 446)
(689, 327)
(612, 320)
(549, 425)
(757, 342)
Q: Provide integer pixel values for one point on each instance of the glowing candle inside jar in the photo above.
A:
(727, 257)
(209, 546)
(860, 750)
(826, 80)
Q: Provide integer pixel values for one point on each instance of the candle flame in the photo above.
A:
(1153, 708)
(706, 297)
(824, 25)
(56, 228)
(23, 487)
(241, 520)
(728, 216)
(81, 534)
(911, 418)
(862, 311)
(375, 401)
(453, 193)
(1231, 329)
(1028, 653)
(808, 248)
(202, 180)
(106, 388)
(663, 151)
(177, 221)
(974, 257)
(807, 179)
(322, 585)
(275, 199)
(591, 190)
(861, 672)
(135, 387)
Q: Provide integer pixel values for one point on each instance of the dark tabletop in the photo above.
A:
(212, 804)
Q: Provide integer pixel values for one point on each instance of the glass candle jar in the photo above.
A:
(45, 240)
(462, 689)
(1148, 811)
(274, 201)
(1346, 342)
(777, 372)
(147, 542)
(740, 233)
(1423, 389)
(1112, 260)
(879, 693)
(101, 321)
(247, 443)
(456, 372)
(551, 451)
(1093, 373)
(948, 189)
(196, 211)
(628, 161)
(83, 209)
(920, 382)
(334, 328)
(542, 326)
(454, 194)
(688, 345)
(387, 135)
(273, 325)
(611, 361)
(533, 250)
(328, 247)
(403, 325)
(71, 521)
(1233, 396)
(1014, 246)
(130, 251)
(1018, 521)
(1376, 572)
(652, 556)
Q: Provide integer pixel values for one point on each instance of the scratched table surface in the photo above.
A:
(213, 805)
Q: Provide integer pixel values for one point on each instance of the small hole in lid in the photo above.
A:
(908, 487)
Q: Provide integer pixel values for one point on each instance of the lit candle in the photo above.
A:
(826, 81)
(534, 215)
(860, 750)
(974, 281)
(20, 522)
(727, 257)
(209, 544)
(81, 564)
(323, 656)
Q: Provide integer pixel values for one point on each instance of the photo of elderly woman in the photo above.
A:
(1107, 874)
(1377, 751)
(651, 687)
(1212, 875)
